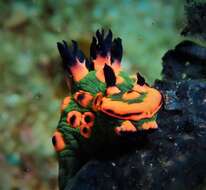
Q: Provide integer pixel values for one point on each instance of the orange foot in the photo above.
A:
(149, 125)
(126, 126)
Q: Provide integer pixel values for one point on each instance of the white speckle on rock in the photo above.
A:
(113, 164)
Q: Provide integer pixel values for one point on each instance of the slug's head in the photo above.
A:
(104, 101)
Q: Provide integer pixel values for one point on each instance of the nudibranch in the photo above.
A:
(105, 102)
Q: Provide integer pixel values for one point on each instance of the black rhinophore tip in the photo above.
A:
(101, 44)
(117, 50)
(93, 48)
(140, 79)
(109, 76)
(68, 58)
(70, 54)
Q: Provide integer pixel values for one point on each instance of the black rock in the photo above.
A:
(174, 156)
(195, 11)
(186, 61)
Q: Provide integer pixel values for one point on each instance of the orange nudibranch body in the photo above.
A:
(58, 141)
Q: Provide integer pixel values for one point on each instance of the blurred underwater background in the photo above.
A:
(32, 81)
